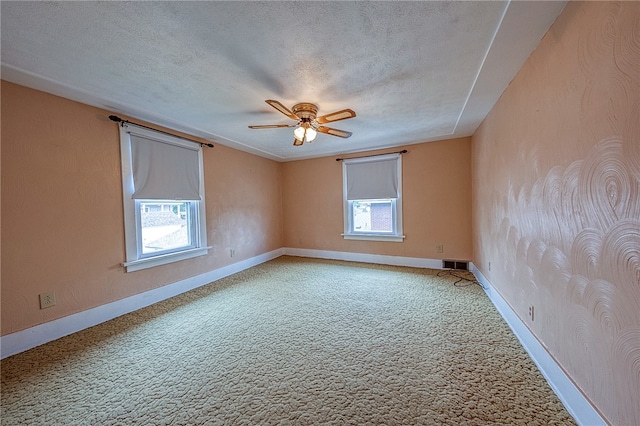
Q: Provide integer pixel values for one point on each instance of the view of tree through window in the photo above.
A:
(372, 216)
(164, 226)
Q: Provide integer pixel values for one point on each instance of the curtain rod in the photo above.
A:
(121, 121)
(404, 151)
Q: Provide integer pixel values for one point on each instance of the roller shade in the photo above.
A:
(164, 171)
(372, 179)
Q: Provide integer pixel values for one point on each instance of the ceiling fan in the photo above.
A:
(308, 124)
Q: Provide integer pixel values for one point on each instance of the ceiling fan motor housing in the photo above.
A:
(306, 111)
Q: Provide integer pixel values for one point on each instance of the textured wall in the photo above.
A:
(62, 219)
(556, 198)
(436, 188)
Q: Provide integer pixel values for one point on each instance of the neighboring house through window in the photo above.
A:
(163, 195)
(372, 188)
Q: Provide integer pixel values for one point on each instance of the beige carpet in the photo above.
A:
(293, 342)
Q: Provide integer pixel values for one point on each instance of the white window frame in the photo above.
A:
(136, 260)
(349, 233)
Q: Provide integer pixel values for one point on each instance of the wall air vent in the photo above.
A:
(455, 264)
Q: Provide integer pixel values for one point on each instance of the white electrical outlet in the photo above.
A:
(47, 299)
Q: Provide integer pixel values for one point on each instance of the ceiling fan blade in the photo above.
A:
(334, 132)
(297, 142)
(272, 126)
(283, 109)
(336, 116)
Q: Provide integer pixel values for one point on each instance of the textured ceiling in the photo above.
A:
(412, 71)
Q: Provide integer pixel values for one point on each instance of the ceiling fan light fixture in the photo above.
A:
(299, 132)
(305, 133)
(311, 134)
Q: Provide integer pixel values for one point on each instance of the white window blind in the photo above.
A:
(372, 178)
(164, 171)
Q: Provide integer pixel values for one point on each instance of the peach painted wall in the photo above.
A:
(556, 200)
(436, 187)
(62, 219)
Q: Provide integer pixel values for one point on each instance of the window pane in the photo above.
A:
(373, 216)
(164, 226)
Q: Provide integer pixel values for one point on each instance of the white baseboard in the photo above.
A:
(573, 400)
(20, 341)
(416, 262)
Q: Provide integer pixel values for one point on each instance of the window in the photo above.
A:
(165, 226)
(372, 188)
(373, 216)
(163, 194)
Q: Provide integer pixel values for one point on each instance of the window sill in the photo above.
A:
(374, 237)
(150, 262)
